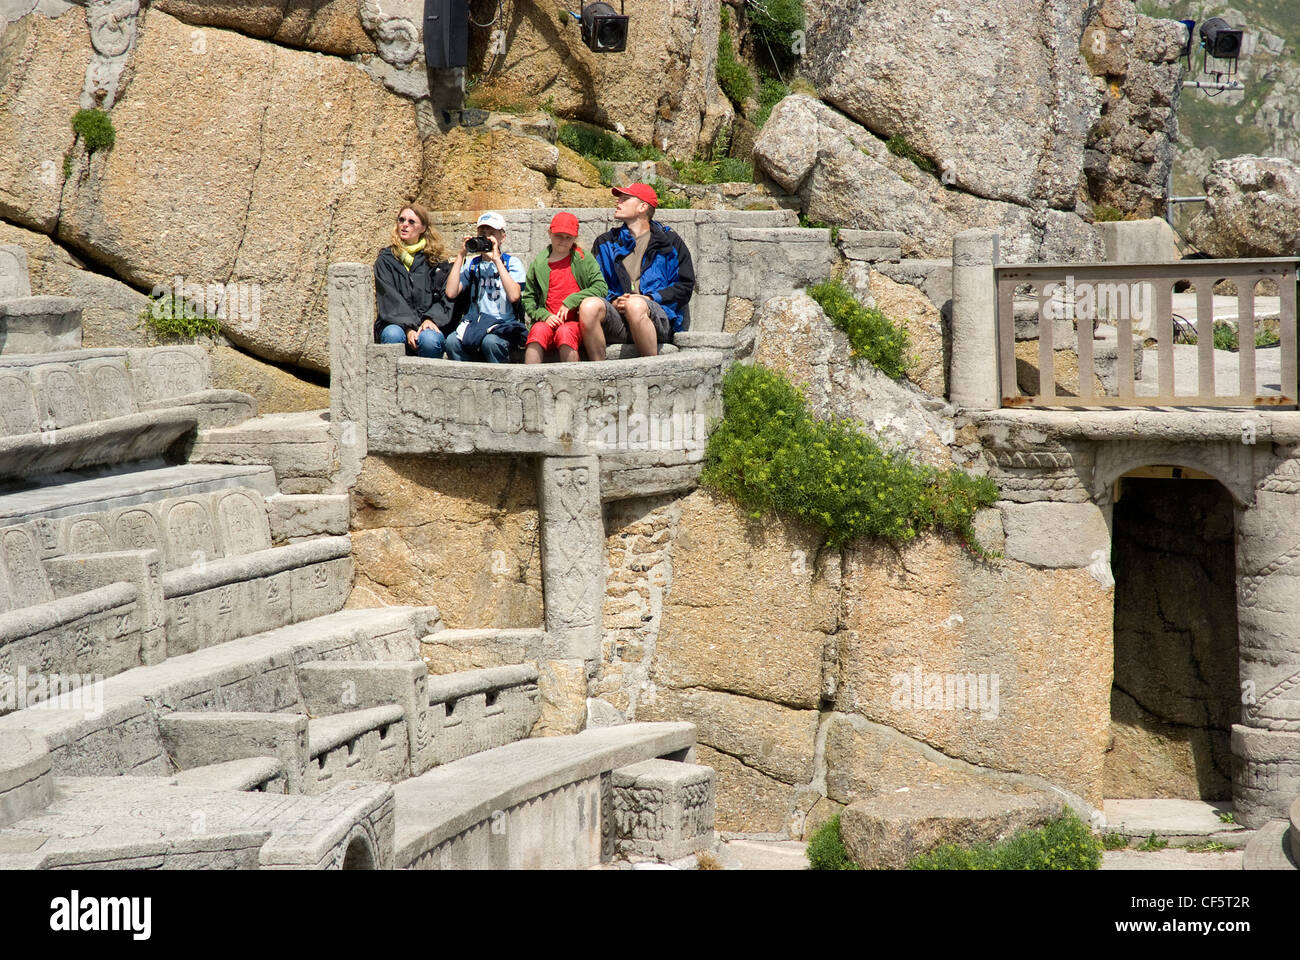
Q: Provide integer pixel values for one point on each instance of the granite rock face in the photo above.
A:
(1253, 209)
(795, 337)
(330, 26)
(940, 75)
(846, 176)
(248, 163)
(662, 90)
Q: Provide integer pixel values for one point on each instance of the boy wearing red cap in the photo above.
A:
(559, 279)
(650, 276)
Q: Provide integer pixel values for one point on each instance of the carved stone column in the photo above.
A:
(1266, 745)
(573, 556)
(351, 318)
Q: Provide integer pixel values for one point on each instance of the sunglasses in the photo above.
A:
(411, 220)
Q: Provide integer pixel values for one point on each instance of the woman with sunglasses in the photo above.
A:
(410, 282)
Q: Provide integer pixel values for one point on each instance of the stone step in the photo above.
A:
(476, 812)
(26, 785)
(298, 446)
(67, 494)
(454, 651)
(260, 774)
(1181, 822)
(1273, 847)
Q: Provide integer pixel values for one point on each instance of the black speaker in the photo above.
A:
(603, 30)
(446, 33)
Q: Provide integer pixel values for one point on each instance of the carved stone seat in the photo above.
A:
(31, 324)
(84, 408)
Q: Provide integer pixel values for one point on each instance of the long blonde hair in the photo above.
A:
(435, 249)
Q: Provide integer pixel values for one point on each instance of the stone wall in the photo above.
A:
(462, 534)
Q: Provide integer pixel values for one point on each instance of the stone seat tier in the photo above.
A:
(368, 744)
(1274, 846)
(58, 495)
(132, 823)
(79, 408)
(476, 812)
(122, 735)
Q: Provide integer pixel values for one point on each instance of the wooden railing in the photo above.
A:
(1115, 291)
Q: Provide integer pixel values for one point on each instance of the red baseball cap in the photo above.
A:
(564, 223)
(642, 191)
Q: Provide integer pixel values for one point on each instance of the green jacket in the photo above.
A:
(591, 282)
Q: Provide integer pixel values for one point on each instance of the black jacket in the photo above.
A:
(407, 298)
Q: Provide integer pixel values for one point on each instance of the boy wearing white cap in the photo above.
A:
(495, 280)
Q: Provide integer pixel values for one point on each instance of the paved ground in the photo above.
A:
(1171, 858)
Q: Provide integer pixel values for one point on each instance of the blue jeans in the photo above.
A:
(429, 344)
(495, 349)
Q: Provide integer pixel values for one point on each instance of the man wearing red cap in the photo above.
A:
(559, 279)
(650, 276)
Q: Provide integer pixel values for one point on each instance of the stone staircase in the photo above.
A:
(180, 686)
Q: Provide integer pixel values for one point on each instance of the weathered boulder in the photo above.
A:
(846, 176)
(885, 831)
(907, 305)
(330, 26)
(997, 94)
(662, 89)
(459, 533)
(795, 337)
(42, 68)
(249, 163)
(476, 169)
(562, 689)
(1252, 210)
(966, 655)
(275, 389)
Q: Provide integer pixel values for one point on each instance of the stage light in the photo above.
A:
(1220, 40)
(603, 30)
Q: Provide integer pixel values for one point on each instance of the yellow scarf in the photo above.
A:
(408, 253)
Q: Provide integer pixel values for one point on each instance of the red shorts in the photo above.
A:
(568, 334)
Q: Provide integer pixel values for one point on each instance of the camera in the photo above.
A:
(478, 245)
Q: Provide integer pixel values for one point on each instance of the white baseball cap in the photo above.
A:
(493, 220)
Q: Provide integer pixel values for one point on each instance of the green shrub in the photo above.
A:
(606, 171)
(1225, 337)
(899, 146)
(770, 94)
(773, 24)
(722, 170)
(175, 317)
(1064, 844)
(67, 165)
(871, 334)
(733, 76)
(773, 455)
(826, 848)
(669, 199)
(95, 129)
(595, 144)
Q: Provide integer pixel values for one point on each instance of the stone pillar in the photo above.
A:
(573, 556)
(14, 278)
(1266, 744)
(352, 323)
(973, 370)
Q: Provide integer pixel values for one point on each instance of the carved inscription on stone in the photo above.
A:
(191, 537)
(60, 399)
(244, 527)
(138, 529)
(23, 564)
(88, 535)
(110, 390)
(17, 408)
(173, 373)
